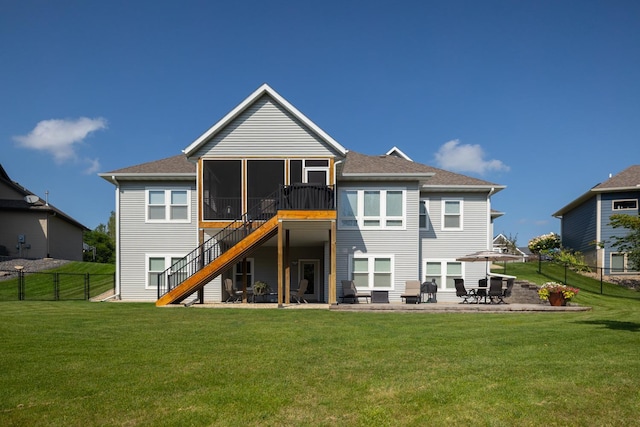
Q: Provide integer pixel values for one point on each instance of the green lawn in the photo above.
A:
(76, 363)
(69, 280)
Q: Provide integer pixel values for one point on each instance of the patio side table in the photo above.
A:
(380, 297)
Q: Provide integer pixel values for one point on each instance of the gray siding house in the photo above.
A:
(585, 221)
(266, 195)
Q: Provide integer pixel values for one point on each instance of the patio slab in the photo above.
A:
(441, 307)
(459, 308)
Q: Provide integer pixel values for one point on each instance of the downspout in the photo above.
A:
(117, 221)
(490, 223)
(333, 285)
(335, 183)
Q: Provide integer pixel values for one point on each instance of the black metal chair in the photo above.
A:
(482, 293)
(462, 292)
(495, 290)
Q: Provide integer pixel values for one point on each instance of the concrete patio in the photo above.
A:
(441, 307)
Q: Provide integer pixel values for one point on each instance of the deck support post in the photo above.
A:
(280, 269)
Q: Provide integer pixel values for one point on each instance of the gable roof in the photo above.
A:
(176, 167)
(38, 205)
(395, 151)
(240, 108)
(627, 180)
(360, 167)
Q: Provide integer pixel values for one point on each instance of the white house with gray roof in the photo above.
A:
(267, 195)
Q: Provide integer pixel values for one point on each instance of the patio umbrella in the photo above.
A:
(487, 256)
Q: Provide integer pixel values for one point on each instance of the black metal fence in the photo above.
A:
(22, 285)
(565, 273)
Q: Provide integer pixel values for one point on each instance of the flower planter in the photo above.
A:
(556, 299)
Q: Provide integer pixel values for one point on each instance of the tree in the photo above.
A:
(629, 244)
(101, 242)
(544, 243)
(111, 226)
(511, 245)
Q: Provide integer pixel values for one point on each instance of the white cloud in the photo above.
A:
(458, 157)
(59, 136)
(94, 166)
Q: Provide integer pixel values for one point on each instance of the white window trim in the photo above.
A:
(625, 267)
(613, 203)
(167, 205)
(442, 227)
(424, 202)
(442, 283)
(371, 262)
(306, 169)
(382, 218)
(167, 263)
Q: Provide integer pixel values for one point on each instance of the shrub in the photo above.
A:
(574, 259)
(544, 243)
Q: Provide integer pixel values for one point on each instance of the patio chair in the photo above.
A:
(481, 293)
(462, 292)
(233, 294)
(411, 292)
(349, 291)
(495, 290)
(507, 292)
(299, 294)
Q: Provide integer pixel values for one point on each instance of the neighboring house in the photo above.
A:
(267, 195)
(501, 245)
(585, 221)
(32, 228)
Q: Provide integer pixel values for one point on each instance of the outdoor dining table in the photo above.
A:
(474, 291)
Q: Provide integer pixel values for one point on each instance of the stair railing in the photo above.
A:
(218, 244)
(287, 197)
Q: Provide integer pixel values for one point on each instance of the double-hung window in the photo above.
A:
(168, 205)
(452, 214)
(371, 271)
(444, 272)
(159, 263)
(372, 208)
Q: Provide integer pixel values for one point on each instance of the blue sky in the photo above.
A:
(540, 96)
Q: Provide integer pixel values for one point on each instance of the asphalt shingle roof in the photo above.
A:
(360, 164)
(630, 177)
(171, 165)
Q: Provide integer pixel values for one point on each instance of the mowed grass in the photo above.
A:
(130, 364)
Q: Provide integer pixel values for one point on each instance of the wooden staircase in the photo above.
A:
(221, 263)
(311, 202)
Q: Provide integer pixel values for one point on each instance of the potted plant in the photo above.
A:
(556, 293)
(261, 288)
